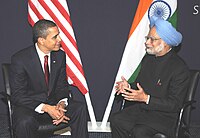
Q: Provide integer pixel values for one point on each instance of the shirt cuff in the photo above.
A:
(65, 100)
(148, 98)
(39, 108)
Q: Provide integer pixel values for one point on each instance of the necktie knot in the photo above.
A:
(46, 59)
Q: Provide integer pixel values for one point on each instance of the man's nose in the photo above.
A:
(59, 38)
(147, 42)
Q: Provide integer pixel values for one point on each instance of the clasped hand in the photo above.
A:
(57, 112)
(129, 94)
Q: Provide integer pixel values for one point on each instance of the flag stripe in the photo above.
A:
(134, 50)
(72, 57)
(62, 20)
(77, 72)
(35, 10)
(62, 11)
(66, 49)
(135, 46)
(54, 17)
(30, 20)
(57, 10)
(76, 81)
(66, 33)
(135, 74)
(173, 19)
(141, 10)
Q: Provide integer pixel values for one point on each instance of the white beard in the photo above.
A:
(154, 51)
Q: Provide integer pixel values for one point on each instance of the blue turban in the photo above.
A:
(166, 31)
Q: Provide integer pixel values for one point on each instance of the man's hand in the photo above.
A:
(63, 119)
(61, 107)
(57, 113)
(53, 111)
(121, 85)
(135, 95)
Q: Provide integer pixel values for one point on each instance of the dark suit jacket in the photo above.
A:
(28, 83)
(165, 79)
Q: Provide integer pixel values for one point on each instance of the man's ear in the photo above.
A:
(41, 40)
(163, 43)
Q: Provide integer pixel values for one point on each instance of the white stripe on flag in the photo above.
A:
(64, 22)
(135, 46)
(173, 5)
(75, 70)
(70, 46)
(32, 14)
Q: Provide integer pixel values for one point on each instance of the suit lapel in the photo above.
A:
(52, 71)
(37, 67)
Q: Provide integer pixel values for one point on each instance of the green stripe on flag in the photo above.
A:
(173, 19)
(135, 74)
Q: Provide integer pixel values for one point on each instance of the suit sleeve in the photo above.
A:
(20, 86)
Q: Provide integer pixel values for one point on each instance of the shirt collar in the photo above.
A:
(40, 53)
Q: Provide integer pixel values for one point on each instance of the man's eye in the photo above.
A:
(55, 37)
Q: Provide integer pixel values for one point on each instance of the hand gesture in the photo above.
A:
(63, 119)
(57, 113)
(61, 107)
(135, 95)
(121, 85)
(52, 111)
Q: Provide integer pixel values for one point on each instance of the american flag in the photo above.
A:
(57, 11)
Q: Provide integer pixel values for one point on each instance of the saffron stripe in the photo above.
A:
(141, 10)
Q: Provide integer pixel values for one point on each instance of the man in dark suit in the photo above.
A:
(158, 93)
(39, 86)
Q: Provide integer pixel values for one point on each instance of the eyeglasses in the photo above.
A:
(152, 39)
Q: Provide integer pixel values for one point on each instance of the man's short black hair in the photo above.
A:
(40, 29)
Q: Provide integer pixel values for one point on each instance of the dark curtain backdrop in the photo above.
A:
(101, 29)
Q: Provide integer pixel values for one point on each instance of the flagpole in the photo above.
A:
(90, 110)
(108, 109)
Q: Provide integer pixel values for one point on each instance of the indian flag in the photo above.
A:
(135, 47)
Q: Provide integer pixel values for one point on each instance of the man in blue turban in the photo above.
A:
(156, 96)
(165, 32)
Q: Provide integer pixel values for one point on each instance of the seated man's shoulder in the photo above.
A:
(178, 62)
(59, 52)
(23, 52)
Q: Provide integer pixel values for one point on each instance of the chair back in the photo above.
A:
(184, 119)
(5, 70)
(194, 79)
(44, 127)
